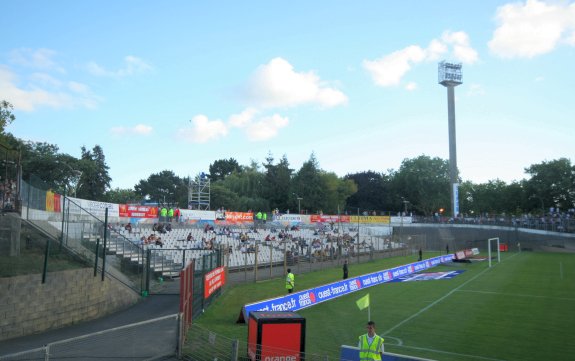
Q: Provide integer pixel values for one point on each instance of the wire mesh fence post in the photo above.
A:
(96, 257)
(46, 255)
(271, 259)
(235, 350)
(257, 247)
(105, 241)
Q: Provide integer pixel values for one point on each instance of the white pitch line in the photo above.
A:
(519, 295)
(439, 300)
(451, 353)
(434, 303)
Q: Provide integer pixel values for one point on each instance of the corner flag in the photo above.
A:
(363, 302)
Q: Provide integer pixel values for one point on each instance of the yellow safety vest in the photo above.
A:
(290, 281)
(369, 352)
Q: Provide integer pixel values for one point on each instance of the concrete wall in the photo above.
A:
(27, 306)
(10, 234)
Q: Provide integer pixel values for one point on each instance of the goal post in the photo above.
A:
(489, 250)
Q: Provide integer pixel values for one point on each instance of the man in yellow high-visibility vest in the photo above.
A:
(370, 345)
(290, 281)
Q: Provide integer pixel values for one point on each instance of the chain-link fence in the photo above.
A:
(205, 345)
(147, 340)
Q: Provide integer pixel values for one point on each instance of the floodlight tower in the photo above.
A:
(450, 77)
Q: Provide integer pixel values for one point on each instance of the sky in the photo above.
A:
(177, 85)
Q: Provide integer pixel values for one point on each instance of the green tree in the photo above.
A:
(308, 185)
(277, 183)
(248, 184)
(6, 116)
(42, 161)
(551, 184)
(424, 183)
(220, 196)
(222, 168)
(122, 196)
(337, 191)
(163, 188)
(372, 191)
(94, 181)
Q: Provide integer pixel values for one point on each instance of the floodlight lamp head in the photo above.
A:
(449, 74)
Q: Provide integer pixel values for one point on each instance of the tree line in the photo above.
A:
(421, 185)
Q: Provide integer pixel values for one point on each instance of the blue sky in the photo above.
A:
(179, 84)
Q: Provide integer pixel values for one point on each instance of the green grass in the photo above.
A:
(521, 309)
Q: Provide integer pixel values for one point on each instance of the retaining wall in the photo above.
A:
(27, 306)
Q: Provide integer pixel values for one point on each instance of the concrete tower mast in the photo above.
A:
(450, 76)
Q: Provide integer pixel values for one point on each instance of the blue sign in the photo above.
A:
(313, 296)
(429, 276)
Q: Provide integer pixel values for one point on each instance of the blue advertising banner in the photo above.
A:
(313, 296)
(429, 276)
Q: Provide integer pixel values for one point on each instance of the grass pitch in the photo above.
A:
(520, 309)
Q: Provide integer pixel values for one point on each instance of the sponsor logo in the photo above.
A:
(306, 299)
(354, 285)
(283, 306)
(280, 358)
(387, 276)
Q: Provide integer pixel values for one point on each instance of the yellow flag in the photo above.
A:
(363, 302)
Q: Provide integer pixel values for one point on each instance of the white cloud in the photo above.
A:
(35, 58)
(462, 50)
(243, 119)
(411, 86)
(277, 84)
(435, 50)
(140, 129)
(203, 130)
(132, 65)
(390, 69)
(266, 128)
(539, 79)
(532, 28)
(44, 91)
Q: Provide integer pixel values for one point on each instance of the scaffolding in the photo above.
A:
(199, 192)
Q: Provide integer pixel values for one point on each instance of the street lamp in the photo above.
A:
(298, 203)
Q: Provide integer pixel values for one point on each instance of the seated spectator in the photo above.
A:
(190, 238)
(159, 242)
(128, 227)
(168, 227)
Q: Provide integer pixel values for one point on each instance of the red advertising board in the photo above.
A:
(239, 217)
(213, 280)
(137, 211)
(276, 336)
(320, 218)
